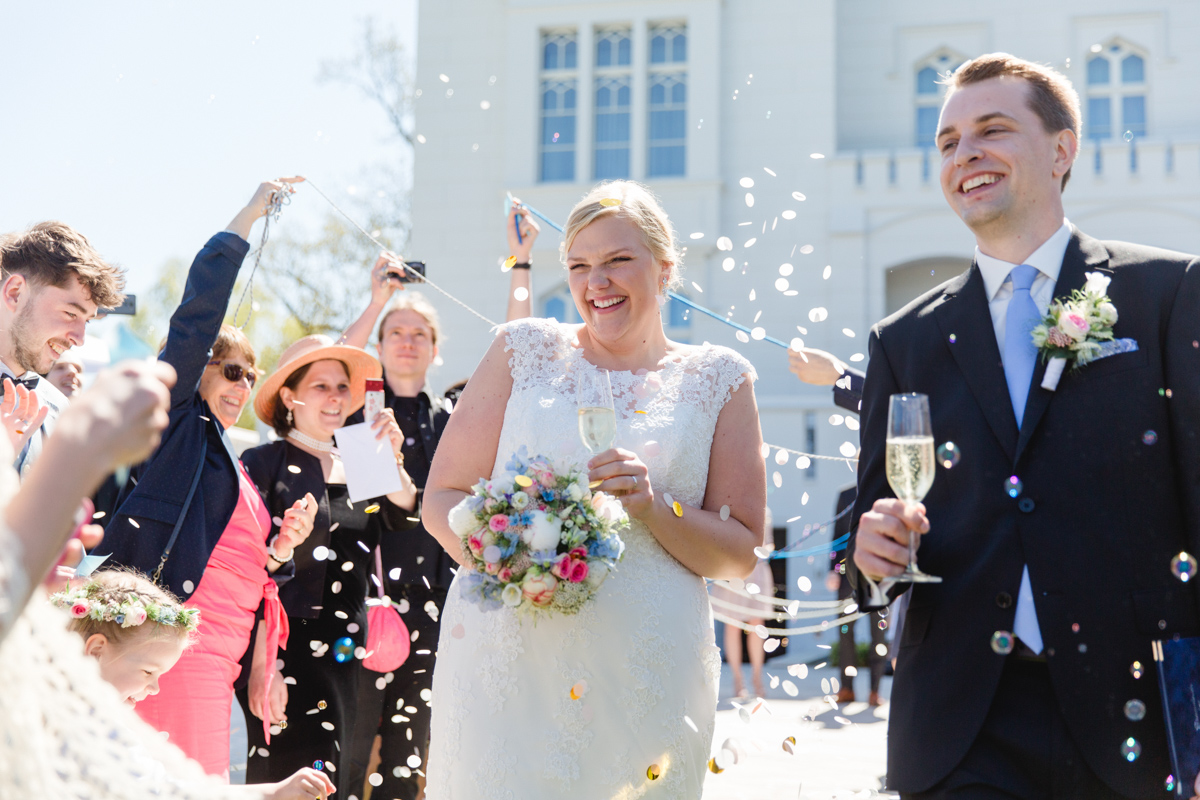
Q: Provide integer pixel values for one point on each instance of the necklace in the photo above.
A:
(308, 441)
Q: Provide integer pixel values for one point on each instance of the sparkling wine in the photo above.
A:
(910, 466)
(598, 428)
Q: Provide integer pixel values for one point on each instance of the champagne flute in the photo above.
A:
(597, 417)
(910, 465)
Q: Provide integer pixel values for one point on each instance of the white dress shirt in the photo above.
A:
(1048, 260)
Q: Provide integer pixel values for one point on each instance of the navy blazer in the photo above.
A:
(153, 498)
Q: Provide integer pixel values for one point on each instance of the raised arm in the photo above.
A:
(825, 369)
(467, 450)
(382, 289)
(521, 248)
(197, 320)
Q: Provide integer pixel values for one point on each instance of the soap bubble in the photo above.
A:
(948, 455)
(1002, 642)
(1183, 566)
(1135, 710)
(1129, 138)
(1149, 437)
(343, 650)
(1135, 669)
(1130, 749)
(1013, 486)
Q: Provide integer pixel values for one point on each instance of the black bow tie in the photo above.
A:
(28, 383)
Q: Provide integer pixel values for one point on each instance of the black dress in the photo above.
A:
(323, 661)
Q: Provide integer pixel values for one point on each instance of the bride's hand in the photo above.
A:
(622, 474)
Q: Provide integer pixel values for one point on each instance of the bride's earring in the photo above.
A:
(661, 297)
(289, 416)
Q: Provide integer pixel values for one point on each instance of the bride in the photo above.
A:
(506, 723)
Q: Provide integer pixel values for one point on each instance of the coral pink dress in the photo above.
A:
(194, 699)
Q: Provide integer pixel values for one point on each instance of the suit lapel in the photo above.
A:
(1084, 254)
(964, 314)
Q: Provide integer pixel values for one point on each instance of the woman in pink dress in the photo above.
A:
(192, 519)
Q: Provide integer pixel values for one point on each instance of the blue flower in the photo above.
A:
(548, 495)
(543, 558)
(519, 460)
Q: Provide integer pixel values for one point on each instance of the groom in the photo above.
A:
(1060, 521)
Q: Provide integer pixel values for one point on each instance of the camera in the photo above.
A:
(407, 276)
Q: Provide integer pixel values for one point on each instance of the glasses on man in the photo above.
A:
(235, 372)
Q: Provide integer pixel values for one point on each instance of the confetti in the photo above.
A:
(790, 688)
(789, 745)
(781, 284)
(714, 767)
(691, 724)
(653, 772)
(508, 263)
(749, 200)
(609, 202)
(371, 509)
(828, 271)
(750, 242)
(134, 522)
(728, 264)
(326, 725)
(788, 214)
(798, 196)
(677, 508)
(696, 286)
(818, 314)
(804, 583)
(292, 468)
(523, 481)
(746, 183)
(579, 690)
(724, 243)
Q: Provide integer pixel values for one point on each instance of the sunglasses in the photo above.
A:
(234, 372)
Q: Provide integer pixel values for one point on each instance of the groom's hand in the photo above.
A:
(881, 545)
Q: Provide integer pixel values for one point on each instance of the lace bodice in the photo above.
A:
(667, 417)
(504, 722)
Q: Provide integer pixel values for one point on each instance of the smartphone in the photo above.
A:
(373, 400)
(405, 276)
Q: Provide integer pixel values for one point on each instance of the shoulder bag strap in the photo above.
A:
(183, 512)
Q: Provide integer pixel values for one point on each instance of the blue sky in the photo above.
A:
(147, 127)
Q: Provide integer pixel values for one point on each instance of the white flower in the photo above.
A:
(597, 573)
(1097, 283)
(543, 532)
(1073, 324)
(574, 493)
(520, 500)
(511, 595)
(1107, 313)
(462, 519)
(609, 508)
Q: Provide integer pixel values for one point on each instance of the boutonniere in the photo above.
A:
(1075, 329)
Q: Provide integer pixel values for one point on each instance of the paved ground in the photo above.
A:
(838, 753)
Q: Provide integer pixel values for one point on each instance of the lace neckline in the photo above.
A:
(669, 361)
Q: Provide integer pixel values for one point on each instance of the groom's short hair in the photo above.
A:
(1051, 95)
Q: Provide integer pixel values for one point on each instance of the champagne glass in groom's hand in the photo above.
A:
(910, 465)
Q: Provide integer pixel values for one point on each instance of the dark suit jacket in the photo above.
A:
(268, 466)
(1111, 470)
(155, 493)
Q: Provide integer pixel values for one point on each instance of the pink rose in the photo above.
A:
(579, 571)
(1075, 325)
(539, 589)
(475, 544)
(579, 552)
(562, 567)
(79, 610)
(547, 479)
(491, 567)
(134, 616)
(498, 522)
(505, 575)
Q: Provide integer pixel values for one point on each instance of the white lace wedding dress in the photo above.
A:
(504, 724)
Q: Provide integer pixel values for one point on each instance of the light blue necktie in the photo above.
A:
(1019, 353)
(1019, 358)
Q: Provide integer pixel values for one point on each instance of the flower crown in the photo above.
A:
(81, 602)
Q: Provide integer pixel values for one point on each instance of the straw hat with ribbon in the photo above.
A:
(318, 347)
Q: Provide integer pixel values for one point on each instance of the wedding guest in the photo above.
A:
(138, 631)
(309, 396)
(1014, 675)
(520, 260)
(67, 373)
(416, 569)
(53, 284)
(191, 518)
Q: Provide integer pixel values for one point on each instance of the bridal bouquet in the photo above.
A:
(539, 540)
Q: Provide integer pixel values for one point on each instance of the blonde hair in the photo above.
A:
(119, 586)
(1051, 95)
(637, 204)
(413, 301)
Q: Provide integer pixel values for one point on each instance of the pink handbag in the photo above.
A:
(388, 641)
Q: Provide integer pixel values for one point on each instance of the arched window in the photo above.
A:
(558, 304)
(1116, 91)
(928, 93)
(558, 105)
(668, 101)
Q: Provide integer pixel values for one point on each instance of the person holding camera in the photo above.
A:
(416, 570)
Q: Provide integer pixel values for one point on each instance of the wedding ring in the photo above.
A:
(635, 482)
(594, 484)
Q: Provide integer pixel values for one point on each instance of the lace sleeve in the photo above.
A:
(729, 369)
(65, 733)
(533, 345)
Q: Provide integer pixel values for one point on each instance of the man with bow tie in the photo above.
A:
(54, 282)
(1054, 533)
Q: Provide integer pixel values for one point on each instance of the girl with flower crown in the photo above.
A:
(137, 632)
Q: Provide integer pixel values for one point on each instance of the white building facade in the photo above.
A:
(798, 130)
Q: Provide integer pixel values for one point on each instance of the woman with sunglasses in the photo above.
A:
(191, 518)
